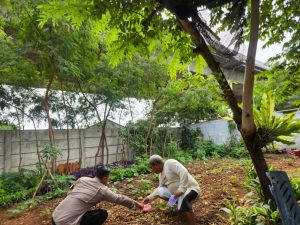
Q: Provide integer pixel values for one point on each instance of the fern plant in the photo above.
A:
(274, 127)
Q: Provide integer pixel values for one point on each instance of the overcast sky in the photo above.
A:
(263, 54)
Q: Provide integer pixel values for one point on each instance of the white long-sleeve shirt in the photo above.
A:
(176, 177)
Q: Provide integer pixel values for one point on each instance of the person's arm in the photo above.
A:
(154, 194)
(151, 197)
(110, 196)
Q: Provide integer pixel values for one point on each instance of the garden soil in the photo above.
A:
(220, 180)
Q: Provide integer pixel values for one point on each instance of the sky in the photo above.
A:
(264, 54)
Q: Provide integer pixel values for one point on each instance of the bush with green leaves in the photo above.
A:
(296, 186)
(10, 198)
(188, 138)
(257, 214)
(183, 156)
(208, 149)
(143, 188)
(51, 151)
(61, 182)
(135, 135)
(141, 166)
(17, 186)
(272, 127)
(12, 182)
(252, 182)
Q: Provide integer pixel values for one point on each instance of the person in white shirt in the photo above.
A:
(174, 179)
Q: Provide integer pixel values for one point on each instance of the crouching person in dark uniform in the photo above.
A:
(75, 209)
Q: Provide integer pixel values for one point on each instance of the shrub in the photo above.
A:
(141, 166)
(188, 138)
(207, 149)
(238, 152)
(174, 152)
(252, 181)
(296, 186)
(12, 182)
(8, 199)
(143, 188)
(259, 213)
(62, 182)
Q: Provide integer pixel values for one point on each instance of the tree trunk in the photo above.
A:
(248, 125)
(256, 154)
(150, 127)
(117, 152)
(46, 104)
(20, 141)
(98, 150)
(260, 166)
(68, 131)
(36, 142)
(80, 147)
(106, 146)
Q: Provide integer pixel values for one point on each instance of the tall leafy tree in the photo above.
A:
(142, 24)
(190, 99)
(280, 24)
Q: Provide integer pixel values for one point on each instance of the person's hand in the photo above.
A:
(139, 205)
(146, 200)
(177, 193)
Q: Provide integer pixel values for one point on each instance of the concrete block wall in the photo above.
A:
(82, 143)
(2, 154)
(91, 143)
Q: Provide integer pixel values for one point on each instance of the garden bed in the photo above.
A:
(220, 179)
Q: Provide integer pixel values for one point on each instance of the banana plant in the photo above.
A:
(274, 127)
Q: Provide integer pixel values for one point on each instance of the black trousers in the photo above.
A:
(92, 217)
(186, 205)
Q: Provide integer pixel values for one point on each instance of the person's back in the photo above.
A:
(87, 192)
(176, 174)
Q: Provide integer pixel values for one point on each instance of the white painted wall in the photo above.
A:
(215, 130)
(218, 132)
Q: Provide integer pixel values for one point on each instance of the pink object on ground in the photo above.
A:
(147, 208)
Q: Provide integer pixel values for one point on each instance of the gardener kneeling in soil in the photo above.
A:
(87, 192)
(175, 184)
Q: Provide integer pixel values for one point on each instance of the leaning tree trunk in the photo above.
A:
(251, 145)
